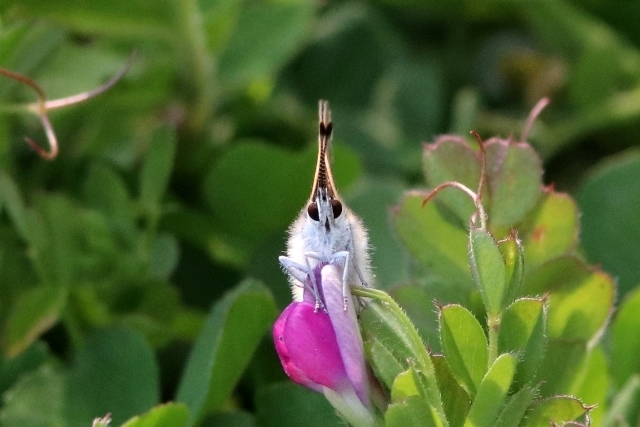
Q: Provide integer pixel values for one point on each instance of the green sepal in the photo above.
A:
(404, 386)
(455, 399)
(464, 345)
(384, 364)
(522, 332)
(487, 269)
(413, 411)
(492, 392)
(517, 406)
(384, 321)
(513, 255)
(557, 409)
(380, 324)
(167, 415)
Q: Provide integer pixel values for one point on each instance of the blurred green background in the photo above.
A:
(182, 179)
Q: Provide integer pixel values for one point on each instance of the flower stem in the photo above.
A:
(493, 326)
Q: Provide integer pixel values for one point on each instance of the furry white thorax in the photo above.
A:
(346, 234)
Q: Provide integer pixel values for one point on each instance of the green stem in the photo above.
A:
(200, 63)
(493, 324)
(426, 366)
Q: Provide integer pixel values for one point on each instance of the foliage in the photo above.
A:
(123, 261)
(518, 350)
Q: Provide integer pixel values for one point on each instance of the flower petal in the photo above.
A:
(306, 343)
(346, 329)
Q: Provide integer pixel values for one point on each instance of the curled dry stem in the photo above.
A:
(475, 196)
(42, 106)
(532, 117)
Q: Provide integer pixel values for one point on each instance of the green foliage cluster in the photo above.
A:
(123, 262)
(541, 307)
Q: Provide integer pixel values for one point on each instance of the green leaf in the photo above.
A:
(167, 415)
(164, 256)
(231, 419)
(593, 383)
(34, 313)
(625, 340)
(464, 346)
(36, 400)
(414, 299)
(551, 229)
(267, 35)
(370, 200)
(388, 324)
(562, 362)
(625, 404)
(487, 269)
(24, 48)
(580, 297)
(291, 405)
(157, 167)
(419, 101)
(515, 409)
(451, 159)
(107, 192)
(115, 372)
(158, 306)
(382, 361)
(579, 304)
(431, 239)
(514, 178)
(413, 411)
(231, 333)
(199, 229)
(380, 324)
(220, 19)
(404, 386)
(522, 332)
(513, 255)
(340, 54)
(455, 399)
(75, 68)
(11, 200)
(610, 206)
(492, 392)
(70, 244)
(11, 369)
(119, 18)
(559, 409)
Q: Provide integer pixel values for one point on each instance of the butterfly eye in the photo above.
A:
(312, 210)
(336, 207)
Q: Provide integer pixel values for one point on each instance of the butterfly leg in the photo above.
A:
(307, 257)
(345, 272)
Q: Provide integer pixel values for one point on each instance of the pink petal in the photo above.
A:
(306, 344)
